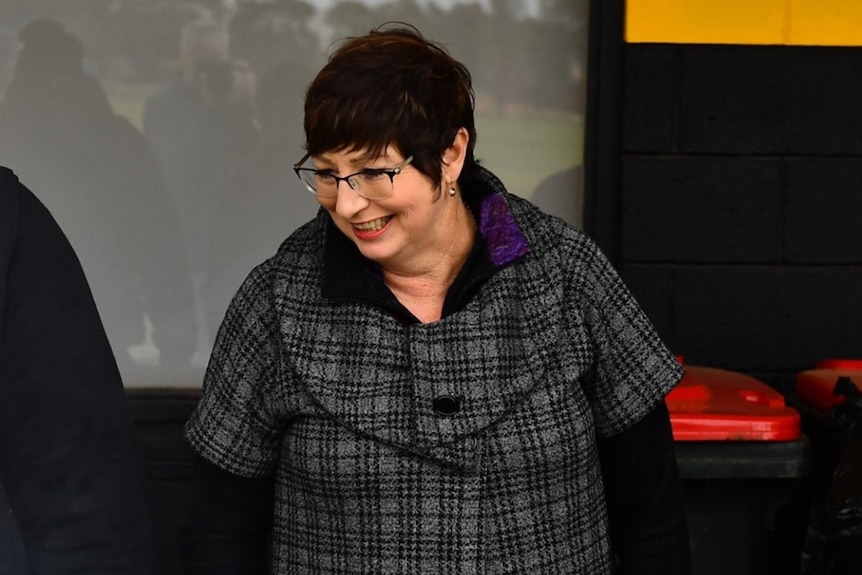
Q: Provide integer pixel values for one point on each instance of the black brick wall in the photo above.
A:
(740, 202)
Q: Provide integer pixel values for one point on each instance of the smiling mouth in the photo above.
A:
(373, 225)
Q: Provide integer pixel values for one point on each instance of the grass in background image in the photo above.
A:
(523, 151)
(128, 100)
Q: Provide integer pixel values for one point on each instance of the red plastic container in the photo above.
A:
(815, 387)
(712, 404)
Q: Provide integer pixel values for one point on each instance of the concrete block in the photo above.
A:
(696, 209)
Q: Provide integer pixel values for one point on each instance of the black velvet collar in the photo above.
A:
(349, 276)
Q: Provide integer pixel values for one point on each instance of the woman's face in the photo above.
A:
(397, 232)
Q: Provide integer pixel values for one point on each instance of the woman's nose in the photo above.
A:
(347, 201)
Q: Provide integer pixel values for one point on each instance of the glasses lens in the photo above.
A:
(316, 183)
(372, 184)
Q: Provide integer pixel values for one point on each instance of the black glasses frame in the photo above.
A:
(354, 185)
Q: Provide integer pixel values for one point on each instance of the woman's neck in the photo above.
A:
(422, 287)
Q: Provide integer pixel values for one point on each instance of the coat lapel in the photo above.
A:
(384, 379)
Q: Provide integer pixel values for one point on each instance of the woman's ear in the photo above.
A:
(455, 155)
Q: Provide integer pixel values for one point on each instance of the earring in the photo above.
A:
(452, 191)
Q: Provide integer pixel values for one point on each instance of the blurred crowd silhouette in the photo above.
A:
(168, 216)
(97, 173)
(166, 222)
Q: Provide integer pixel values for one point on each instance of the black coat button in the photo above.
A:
(447, 405)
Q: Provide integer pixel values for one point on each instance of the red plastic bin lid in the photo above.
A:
(815, 387)
(712, 404)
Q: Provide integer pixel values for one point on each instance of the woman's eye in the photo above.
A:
(325, 177)
(372, 175)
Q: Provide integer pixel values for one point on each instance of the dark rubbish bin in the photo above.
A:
(830, 399)
(741, 456)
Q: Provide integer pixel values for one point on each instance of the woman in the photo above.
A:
(432, 376)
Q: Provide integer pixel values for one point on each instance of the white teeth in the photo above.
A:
(373, 225)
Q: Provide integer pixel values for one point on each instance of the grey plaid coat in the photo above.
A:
(463, 446)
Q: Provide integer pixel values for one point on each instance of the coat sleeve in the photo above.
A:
(646, 508)
(237, 422)
(236, 432)
(68, 459)
(634, 370)
(230, 518)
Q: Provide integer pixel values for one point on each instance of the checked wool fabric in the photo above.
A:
(337, 399)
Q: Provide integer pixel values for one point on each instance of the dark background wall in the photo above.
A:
(725, 183)
(730, 196)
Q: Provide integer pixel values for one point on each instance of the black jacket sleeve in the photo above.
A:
(68, 460)
(228, 528)
(646, 508)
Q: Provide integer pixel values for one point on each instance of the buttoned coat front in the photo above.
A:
(342, 402)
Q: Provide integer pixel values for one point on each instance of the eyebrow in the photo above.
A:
(368, 158)
(359, 160)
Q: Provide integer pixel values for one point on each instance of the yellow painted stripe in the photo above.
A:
(791, 22)
(826, 23)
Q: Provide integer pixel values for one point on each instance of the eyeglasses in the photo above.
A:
(370, 183)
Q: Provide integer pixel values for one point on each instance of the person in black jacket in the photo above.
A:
(71, 494)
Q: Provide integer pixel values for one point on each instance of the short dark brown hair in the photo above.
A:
(391, 87)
